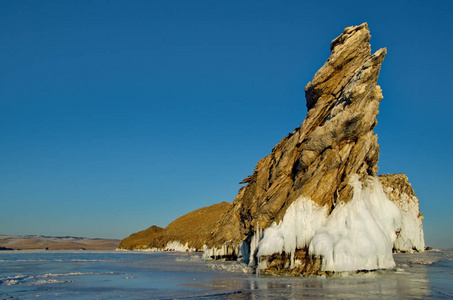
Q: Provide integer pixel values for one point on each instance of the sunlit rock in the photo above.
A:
(315, 203)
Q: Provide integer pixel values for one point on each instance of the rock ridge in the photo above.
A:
(334, 141)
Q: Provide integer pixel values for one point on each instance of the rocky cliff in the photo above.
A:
(335, 141)
(315, 204)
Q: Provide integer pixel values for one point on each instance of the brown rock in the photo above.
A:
(335, 140)
(305, 264)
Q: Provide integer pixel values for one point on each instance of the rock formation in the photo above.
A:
(316, 204)
(334, 141)
(327, 162)
(187, 233)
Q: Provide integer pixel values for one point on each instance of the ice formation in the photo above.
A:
(254, 243)
(178, 247)
(411, 237)
(358, 235)
(302, 219)
(226, 251)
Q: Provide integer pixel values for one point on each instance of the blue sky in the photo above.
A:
(117, 115)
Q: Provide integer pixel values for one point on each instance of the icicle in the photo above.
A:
(254, 243)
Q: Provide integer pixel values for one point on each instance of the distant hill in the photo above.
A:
(35, 242)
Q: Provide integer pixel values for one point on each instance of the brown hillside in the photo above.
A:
(193, 228)
(141, 239)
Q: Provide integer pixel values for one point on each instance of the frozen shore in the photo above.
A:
(159, 275)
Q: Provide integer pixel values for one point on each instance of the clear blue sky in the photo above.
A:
(117, 115)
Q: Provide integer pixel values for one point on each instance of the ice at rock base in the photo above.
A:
(358, 235)
(411, 235)
(178, 247)
(226, 250)
(300, 223)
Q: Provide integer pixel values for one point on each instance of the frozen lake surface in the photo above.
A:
(170, 275)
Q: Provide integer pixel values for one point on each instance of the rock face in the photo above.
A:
(318, 187)
(187, 233)
(335, 140)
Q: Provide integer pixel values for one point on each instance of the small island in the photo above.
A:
(316, 204)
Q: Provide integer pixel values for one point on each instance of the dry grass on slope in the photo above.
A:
(141, 239)
(193, 228)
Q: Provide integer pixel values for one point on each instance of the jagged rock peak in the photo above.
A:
(335, 141)
(349, 51)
